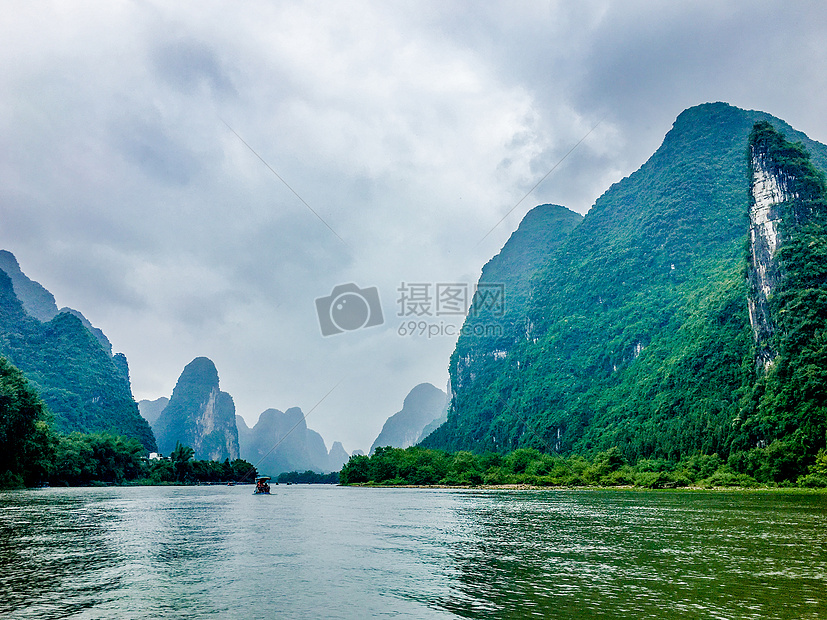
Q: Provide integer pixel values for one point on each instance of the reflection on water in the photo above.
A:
(328, 552)
(610, 554)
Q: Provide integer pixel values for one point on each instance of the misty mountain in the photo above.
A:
(151, 409)
(95, 331)
(199, 415)
(337, 456)
(281, 442)
(39, 302)
(423, 405)
(86, 387)
(36, 300)
(653, 325)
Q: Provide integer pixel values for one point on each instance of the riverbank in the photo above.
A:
(528, 467)
(531, 487)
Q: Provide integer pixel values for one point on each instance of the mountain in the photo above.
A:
(441, 419)
(39, 302)
(199, 415)
(423, 404)
(636, 330)
(281, 442)
(86, 388)
(36, 300)
(96, 332)
(337, 457)
(151, 409)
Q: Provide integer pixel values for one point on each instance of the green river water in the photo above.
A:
(334, 552)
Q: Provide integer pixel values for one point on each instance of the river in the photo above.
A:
(333, 552)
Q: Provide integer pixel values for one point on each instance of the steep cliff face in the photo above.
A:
(199, 415)
(769, 189)
(788, 294)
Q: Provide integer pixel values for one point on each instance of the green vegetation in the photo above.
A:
(528, 466)
(85, 388)
(788, 405)
(31, 453)
(636, 334)
(100, 458)
(26, 441)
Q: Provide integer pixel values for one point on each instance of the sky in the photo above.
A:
(193, 176)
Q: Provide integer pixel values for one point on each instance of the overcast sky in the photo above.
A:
(410, 128)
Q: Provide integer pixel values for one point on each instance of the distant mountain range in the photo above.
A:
(67, 360)
(280, 441)
(151, 409)
(203, 417)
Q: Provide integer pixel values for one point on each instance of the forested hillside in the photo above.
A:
(637, 330)
(86, 389)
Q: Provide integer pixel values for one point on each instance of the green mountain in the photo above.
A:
(39, 302)
(636, 332)
(85, 387)
(198, 415)
(36, 299)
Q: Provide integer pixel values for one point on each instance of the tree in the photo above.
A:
(26, 441)
(356, 470)
(180, 460)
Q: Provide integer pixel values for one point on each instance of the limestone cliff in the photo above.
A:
(769, 190)
(199, 415)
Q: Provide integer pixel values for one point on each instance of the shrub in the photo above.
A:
(724, 477)
(813, 481)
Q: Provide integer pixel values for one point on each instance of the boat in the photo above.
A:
(262, 486)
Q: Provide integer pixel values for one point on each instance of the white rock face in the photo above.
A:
(638, 350)
(770, 188)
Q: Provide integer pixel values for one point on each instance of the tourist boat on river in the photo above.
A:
(262, 486)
